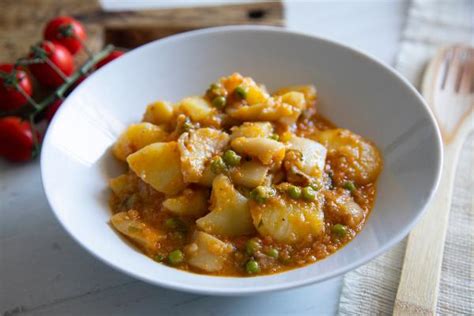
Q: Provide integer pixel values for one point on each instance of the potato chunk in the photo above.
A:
(206, 252)
(122, 184)
(158, 165)
(313, 156)
(196, 148)
(197, 108)
(129, 224)
(207, 176)
(252, 129)
(249, 174)
(231, 82)
(255, 93)
(267, 150)
(298, 103)
(309, 92)
(351, 157)
(190, 202)
(342, 209)
(284, 109)
(229, 214)
(136, 137)
(273, 110)
(159, 112)
(287, 220)
(295, 99)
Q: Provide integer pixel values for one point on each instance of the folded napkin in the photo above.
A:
(372, 288)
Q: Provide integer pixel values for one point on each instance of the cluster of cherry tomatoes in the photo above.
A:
(51, 63)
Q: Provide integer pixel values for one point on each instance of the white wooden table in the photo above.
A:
(44, 272)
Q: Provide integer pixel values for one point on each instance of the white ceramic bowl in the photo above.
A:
(356, 92)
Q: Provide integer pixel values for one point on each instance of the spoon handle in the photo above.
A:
(419, 281)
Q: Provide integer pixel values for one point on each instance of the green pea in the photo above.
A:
(219, 102)
(349, 185)
(231, 158)
(214, 90)
(252, 267)
(241, 92)
(214, 86)
(217, 165)
(339, 230)
(252, 246)
(176, 257)
(294, 192)
(260, 194)
(275, 137)
(272, 252)
(170, 223)
(159, 258)
(316, 186)
(309, 194)
(175, 224)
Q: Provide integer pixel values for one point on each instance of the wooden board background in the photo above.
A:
(22, 22)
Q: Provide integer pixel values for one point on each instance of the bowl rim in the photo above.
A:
(285, 284)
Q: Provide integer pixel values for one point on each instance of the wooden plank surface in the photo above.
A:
(22, 22)
(131, 29)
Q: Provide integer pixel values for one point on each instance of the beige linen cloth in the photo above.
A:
(371, 289)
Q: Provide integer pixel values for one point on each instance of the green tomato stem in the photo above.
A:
(26, 61)
(34, 135)
(88, 65)
(26, 96)
(56, 69)
(4, 75)
(59, 93)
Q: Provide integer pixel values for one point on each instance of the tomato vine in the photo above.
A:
(51, 63)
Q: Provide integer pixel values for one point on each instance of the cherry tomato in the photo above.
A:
(66, 31)
(59, 56)
(113, 55)
(51, 109)
(16, 139)
(10, 97)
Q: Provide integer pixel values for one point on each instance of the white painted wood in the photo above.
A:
(44, 272)
(369, 25)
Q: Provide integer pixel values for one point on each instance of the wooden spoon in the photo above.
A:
(448, 87)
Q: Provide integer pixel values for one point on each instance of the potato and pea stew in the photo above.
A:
(242, 182)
